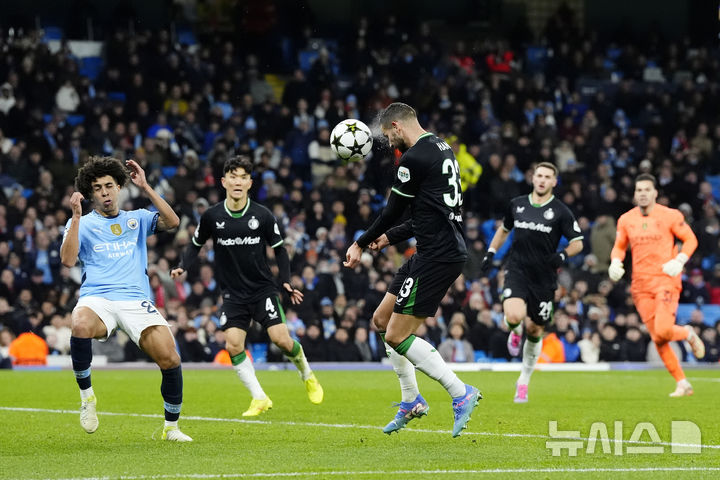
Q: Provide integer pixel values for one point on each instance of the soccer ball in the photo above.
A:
(351, 140)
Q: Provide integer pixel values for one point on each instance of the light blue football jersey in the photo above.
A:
(113, 254)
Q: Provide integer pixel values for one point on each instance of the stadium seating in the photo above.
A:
(711, 313)
(91, 67)
(51, 32)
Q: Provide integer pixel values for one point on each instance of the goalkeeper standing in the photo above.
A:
(650, 229)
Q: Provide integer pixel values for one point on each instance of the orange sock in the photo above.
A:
(670, 360)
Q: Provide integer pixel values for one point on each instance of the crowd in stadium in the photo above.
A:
(601, 115)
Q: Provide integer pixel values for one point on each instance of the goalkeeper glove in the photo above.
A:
(557, 259)
(487, 261)
(675, 266)
(616, 270)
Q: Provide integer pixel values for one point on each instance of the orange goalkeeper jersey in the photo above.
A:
(652, 241)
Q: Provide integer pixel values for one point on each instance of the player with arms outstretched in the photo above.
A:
(540, 220)
(115, 292)
(241, 231)
(427, 180)
(650, 230)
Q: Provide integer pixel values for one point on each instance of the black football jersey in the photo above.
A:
(429, 174)
(240, 240)
(538, 230)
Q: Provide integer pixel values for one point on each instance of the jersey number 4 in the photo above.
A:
(451, 168)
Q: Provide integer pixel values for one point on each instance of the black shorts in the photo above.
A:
(538, 298)
(420, 285)
(267, 312)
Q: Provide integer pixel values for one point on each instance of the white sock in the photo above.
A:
(427, 359)
(531, 352)
(300, 361)
(516, 329)
(87, 393)
(246, 373)
(171, 424)
(405, 372)
(683, 383)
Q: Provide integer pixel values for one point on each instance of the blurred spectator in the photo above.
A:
(552, 349)
(634, 345)
(28, 349)
(571, 349)
(314, 345)
(498, 113)
(694, 289)
(341, 348)
(6, 339)
(712, 347)
(361, 342)
(456, 348)
(191, 350)
(590, 346)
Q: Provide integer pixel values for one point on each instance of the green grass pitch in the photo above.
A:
(40, 436)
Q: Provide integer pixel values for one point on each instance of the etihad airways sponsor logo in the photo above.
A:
(538, 227)
(115, 249)
(114, 246)
(239, 241)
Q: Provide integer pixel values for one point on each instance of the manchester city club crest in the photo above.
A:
(253, 223)
(132, 223)
(116, 229)
(549, 214)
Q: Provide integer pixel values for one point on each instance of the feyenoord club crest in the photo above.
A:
(116, 229)
(549, 214)
(253, 223)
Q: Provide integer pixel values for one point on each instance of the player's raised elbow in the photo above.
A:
(172, 221)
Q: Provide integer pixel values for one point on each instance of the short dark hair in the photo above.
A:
(97, 167)
(546, 165)
(396, 111)
(238, 161)
(646, 177)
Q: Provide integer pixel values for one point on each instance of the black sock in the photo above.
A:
(81, 354)
(171, 389)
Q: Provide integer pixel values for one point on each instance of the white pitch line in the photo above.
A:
(704, 379)
(350, 425)
(384, 473)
